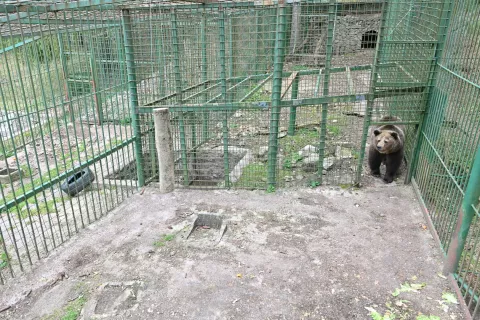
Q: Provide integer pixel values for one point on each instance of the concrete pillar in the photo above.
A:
(164, 144)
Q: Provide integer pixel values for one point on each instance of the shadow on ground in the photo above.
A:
(322, 253)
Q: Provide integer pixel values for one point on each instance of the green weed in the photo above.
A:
(299, 68)
(3, 260)
(70, 312)
(165, 238)
(334, 130)
(314, 184)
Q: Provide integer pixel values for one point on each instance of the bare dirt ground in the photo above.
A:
(322, 253)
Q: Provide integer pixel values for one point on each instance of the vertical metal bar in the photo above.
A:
(258, 55)
(65, 75)
(161, 58)
(293, 110)
(230, 47)
(332, 13)
(203, 39)
(178, 90)
(370, 98)
(279, 57)
(223, 85)
(433, 74)
(133, 94)
(97, 100)
(465, 217)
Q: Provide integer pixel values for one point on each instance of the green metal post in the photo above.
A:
(370, 98)
(179, 97)
(203, 39)
(132, 92)
(223, 80)
(279, 57)
(65, 75)
(332, 12)
(161, 53)
(465, 217)
(97, 91)
(258, 55)
(442, 33)
(230, 47)
(293, 110)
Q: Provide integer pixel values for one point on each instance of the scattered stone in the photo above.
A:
(328, 163)
(343, 153)
(310, 163)
(238, 114)
(262, 151)
(307, 151)
(299, 177)
(282, 135)
(288, 178)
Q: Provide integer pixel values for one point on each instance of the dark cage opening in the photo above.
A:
(369, 39)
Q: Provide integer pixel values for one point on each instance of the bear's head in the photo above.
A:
(386, 141)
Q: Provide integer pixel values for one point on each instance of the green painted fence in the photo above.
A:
(261, 96)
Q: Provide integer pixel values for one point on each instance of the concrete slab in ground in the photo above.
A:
(321, 253)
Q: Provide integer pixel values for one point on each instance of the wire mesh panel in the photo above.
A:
(451, 136)
(63, 102)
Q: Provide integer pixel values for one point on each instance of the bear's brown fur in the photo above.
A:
(387, 146)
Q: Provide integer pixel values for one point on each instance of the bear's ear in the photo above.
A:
(394, 135)
(376, 132)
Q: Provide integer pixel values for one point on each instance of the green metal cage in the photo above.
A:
(262, 95)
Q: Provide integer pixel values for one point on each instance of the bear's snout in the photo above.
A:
(379, 147)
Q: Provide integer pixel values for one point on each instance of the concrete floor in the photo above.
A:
(322, 253)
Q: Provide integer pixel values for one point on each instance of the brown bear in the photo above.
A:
(386, 146)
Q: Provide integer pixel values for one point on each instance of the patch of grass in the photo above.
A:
(165, 238)
(334, 130)
(271, 189)
(314, 184)
(303, 137)
(70, 312)
(125, 121)
(254, 176)
(26, 171)
(258, 95)
(299, 67)
(3, 260)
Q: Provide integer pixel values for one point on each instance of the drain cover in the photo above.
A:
(209, 220)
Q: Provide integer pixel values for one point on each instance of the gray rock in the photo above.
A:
(310, 163)
(307, 151)
(343, 153)
(328, 163)
(262, 151)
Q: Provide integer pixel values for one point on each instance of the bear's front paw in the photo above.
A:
(388, 179)
(376, 173)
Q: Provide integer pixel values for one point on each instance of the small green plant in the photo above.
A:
(70, 312)
(271, 189)
(287, 164)
(159, 244)
(165, 238)
(233, 125)
(125, 121)
(3, 260)
(314, 184)
(26, 171)
(334, 130)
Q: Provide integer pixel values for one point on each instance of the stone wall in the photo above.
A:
(349, 31)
